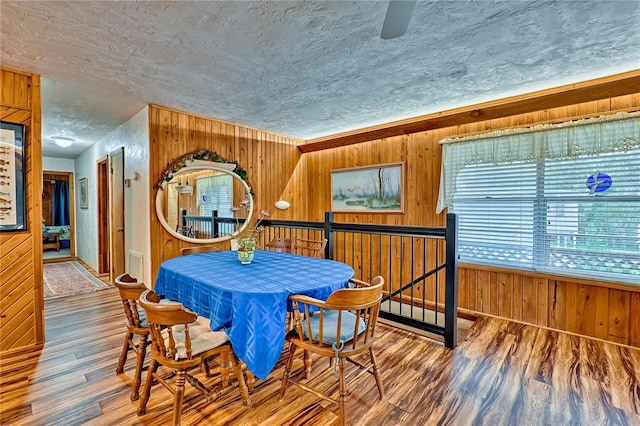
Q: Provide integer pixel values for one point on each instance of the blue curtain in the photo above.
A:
(60, 203)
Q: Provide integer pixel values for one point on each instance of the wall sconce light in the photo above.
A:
(282, 205)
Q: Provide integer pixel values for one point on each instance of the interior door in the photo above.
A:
(116, 160)
(172, 206)
(104, 231)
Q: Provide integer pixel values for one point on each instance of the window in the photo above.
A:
(576, 215)
(215, 193)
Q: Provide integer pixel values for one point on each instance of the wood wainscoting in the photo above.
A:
(21, 292)
(602, 310)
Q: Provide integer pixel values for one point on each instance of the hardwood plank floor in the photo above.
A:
(502, 373)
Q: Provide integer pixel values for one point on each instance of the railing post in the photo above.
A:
(214, 224)
(451, 290)
(328, 234)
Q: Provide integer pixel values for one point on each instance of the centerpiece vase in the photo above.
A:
(245, 256)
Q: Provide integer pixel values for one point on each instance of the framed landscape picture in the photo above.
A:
(13, 215)
(369, 189)
(84, 195)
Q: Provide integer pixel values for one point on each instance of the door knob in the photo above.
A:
(119, 229)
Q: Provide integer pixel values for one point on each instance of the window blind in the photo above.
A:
(577, 216)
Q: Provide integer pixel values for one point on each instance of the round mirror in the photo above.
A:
(195, 205)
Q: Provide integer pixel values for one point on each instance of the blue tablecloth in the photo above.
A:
(249, 301)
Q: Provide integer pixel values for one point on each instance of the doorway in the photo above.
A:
(58, 213)
(116, 166)
(104, 259)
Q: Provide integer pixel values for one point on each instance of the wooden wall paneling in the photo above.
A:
(175, 133)
(463, 288)
(494, 296)
(619, 316)
(484, 291)
(601, 317)
(634, 321)
(21, 295)
(472, 279)
(517, 298)
(557, 305)
(573, 313)
(542, 299)
(505, 295)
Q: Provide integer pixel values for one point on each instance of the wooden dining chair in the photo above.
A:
(181, 344)
(344, 326)
(282, 245)
(187, 231)
(198, 249)
(136, 336)
(311, 248)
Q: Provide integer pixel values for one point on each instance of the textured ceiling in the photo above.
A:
(302, 69)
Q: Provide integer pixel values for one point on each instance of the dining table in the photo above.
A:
(249, 302)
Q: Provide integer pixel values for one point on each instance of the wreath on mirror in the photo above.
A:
(202, 154)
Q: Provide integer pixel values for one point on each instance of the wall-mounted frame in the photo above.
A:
(369, 189)
(13, 196)
(84, 193)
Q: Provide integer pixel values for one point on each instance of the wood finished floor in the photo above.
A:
(502, 373)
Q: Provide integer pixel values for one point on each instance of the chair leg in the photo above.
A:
(142, 350)
(224, 368)
(237, 369)
(307, 364)
(376, 373)
(250, 380)
(125, 351)
(181, 376)
(146, 390)
(342, 388)
(287, 371)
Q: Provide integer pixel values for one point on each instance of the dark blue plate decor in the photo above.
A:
(599, 182)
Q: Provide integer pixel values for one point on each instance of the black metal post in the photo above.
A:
(184, 217)
(214, 224)
(451, 290)
(328, 234)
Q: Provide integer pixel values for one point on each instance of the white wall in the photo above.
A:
(134, 137)
(53, 164)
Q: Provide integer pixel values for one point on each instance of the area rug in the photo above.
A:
(68, 278)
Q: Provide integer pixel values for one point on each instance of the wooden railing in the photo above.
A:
(419, 265)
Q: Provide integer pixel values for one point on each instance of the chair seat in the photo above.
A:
(202, 339)
(330, 326)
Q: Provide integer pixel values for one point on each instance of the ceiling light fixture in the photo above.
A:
(62, 141)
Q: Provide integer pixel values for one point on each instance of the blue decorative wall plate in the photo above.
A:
(598, 182)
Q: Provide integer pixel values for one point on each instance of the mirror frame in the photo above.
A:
(197, 165)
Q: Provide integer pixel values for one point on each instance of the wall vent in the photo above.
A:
(136, 268)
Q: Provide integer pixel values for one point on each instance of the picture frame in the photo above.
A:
(84, 193)
(13, 197)
(368, 189)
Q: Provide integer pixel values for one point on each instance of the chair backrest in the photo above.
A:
(198, 249)
(187, 231)
(282, 245)
(312, 248)
(163, 317)
(130, 290)
(349, 315)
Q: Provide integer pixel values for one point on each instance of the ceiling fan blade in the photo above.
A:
(397, 20)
